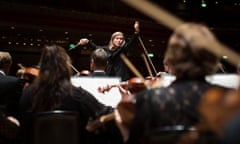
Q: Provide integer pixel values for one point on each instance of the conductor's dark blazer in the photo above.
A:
(10, 92)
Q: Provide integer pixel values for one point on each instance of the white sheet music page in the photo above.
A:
(225, 80)
(91, 84)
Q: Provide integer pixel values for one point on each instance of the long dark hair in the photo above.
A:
(53, 82)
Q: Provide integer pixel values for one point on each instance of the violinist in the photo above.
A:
(166, 107)
(53, 90)
(10, 86)
(10, 92)
(117, 45)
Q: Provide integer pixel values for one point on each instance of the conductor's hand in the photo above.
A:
(137, 26)
(83, 41)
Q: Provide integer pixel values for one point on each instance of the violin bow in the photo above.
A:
(21, 66)
(131, 66)
(220, 66)
(146, 53)
(147, 65)
(170, 21)
(93, 125)
(73, 68)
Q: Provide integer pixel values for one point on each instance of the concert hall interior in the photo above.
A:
(69, 61)
(27, 25)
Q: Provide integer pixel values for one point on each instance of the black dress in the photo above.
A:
(88, 107)
(159, 108)
(116, 67)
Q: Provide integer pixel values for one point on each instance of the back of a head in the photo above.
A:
(5, 61)
(54, 76)
(99, 59)
(55, 61)
(187, 56)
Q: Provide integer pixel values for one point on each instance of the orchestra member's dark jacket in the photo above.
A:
(175, 105)
(10, 93)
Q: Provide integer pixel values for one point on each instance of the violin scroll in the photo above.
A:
(134, 85)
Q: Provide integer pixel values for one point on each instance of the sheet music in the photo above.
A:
(91, 84)
(225, 80)
(113, 97)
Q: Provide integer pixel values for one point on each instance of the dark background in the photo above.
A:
(26, 25)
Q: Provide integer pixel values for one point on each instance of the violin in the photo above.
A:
(126, 106)
(27, 73)
(134, 85)
(109, 87)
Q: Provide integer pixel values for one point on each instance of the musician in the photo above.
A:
(116, 46)
(53, 90)
(10, 92)
(98, 63)
(176, 104)
(10, 86)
